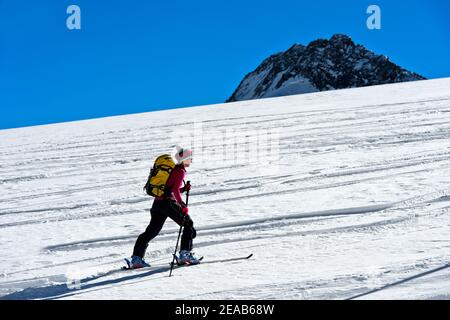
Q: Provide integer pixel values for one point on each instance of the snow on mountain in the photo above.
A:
(355, 199)
(322, 65)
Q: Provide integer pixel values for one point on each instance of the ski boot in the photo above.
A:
(138, 262)
(187, 257)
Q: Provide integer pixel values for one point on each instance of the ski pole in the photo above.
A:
(179, 234)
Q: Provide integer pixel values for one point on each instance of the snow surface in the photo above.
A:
(356, 200)
(295, 85)
(292, 86)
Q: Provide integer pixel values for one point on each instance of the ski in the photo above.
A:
(129, 267)
(216, 261)
(176, 265)
(230, 259)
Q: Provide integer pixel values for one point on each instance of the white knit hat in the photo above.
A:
(183, 154)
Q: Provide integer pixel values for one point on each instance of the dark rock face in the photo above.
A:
(322, 65)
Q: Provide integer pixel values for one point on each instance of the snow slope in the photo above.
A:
(356, 199)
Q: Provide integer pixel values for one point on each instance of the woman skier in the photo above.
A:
(170, 205)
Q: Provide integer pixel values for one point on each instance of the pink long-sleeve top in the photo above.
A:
(174, 184)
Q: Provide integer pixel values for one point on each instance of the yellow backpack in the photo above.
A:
(159, 174)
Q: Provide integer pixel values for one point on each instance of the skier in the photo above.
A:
(170, 205)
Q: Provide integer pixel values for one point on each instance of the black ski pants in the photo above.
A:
(161, 209)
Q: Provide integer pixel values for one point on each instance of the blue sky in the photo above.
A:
(138, 56)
